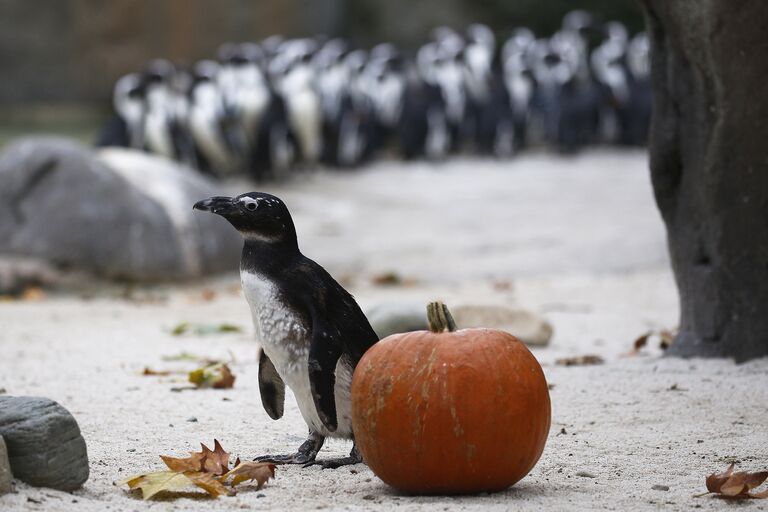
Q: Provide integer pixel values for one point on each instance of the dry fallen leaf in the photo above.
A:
(737, 485)
(580, 360)
(33, 293)
(210, 483)
(217, 376)
(183, 356)
(207, 469)
(667, 338)
(216, 461)
(251, 470)
(153, 483)
(640, 342)
(204, 329)
(150, 372)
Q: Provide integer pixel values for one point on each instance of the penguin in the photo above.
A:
(311, 330)
(638, 111)
(205, 120)
(126, 127)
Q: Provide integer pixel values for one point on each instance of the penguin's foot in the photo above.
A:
(306, 453)
(353, 458)
(294, 458)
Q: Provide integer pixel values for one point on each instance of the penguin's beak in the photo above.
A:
(219, 205)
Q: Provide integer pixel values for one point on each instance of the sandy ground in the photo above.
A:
(576, 240)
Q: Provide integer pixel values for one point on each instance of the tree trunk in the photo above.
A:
(709, 167)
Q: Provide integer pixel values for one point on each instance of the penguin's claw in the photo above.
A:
(333, 463)
(354, 457)
(295, 458)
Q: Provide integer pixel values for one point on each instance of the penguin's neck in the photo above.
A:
(269, 256)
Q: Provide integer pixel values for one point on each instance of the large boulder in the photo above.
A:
(5, 469)
(116, 213)
(44, 444)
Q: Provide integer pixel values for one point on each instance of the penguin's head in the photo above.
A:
(258, 216)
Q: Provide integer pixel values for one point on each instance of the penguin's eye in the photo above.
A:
(251, 206)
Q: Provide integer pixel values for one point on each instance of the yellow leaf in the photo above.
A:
(153, 483)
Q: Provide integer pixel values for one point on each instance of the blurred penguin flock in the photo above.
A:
(265, 109)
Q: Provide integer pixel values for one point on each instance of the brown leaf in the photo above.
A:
(226, 380)
(641, 341)
(715, 480)
(584, 360)
(387, 279)
(210, 483)
(149, 371)
(251, 470)
(667, 337)
(33, 293)
(743, 482)
(737, 485)
(215, 462)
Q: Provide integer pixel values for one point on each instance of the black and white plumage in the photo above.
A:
(273, 108)
(311, 330)
(126, 127)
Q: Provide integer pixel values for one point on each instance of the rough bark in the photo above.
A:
(709, 166)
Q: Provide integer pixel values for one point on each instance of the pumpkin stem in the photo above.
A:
(439, 318)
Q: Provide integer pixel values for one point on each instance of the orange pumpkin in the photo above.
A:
(449, 411)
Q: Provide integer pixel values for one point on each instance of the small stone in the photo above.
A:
(528, 327)
(45, 447)
(192, 419)
(5, 469)
(369, 497)
(391, 318)
(261, 495)
(586, 474)
(659, 487)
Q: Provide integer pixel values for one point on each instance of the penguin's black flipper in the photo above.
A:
(271, 387)
(324, 354)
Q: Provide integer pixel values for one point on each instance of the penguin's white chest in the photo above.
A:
(285, 339)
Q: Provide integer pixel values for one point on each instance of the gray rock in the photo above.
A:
(17, 274)
(116, 213)
(391, 318)
(44, 444)
(5, 469)
(531, 329)
(528, 327)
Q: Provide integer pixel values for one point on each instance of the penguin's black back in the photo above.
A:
(307, 288)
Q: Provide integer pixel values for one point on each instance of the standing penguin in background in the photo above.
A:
(311, 330)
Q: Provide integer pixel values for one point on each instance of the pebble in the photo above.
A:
(659, 487)
(586, 474)
(45, 447)
(192, 419)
